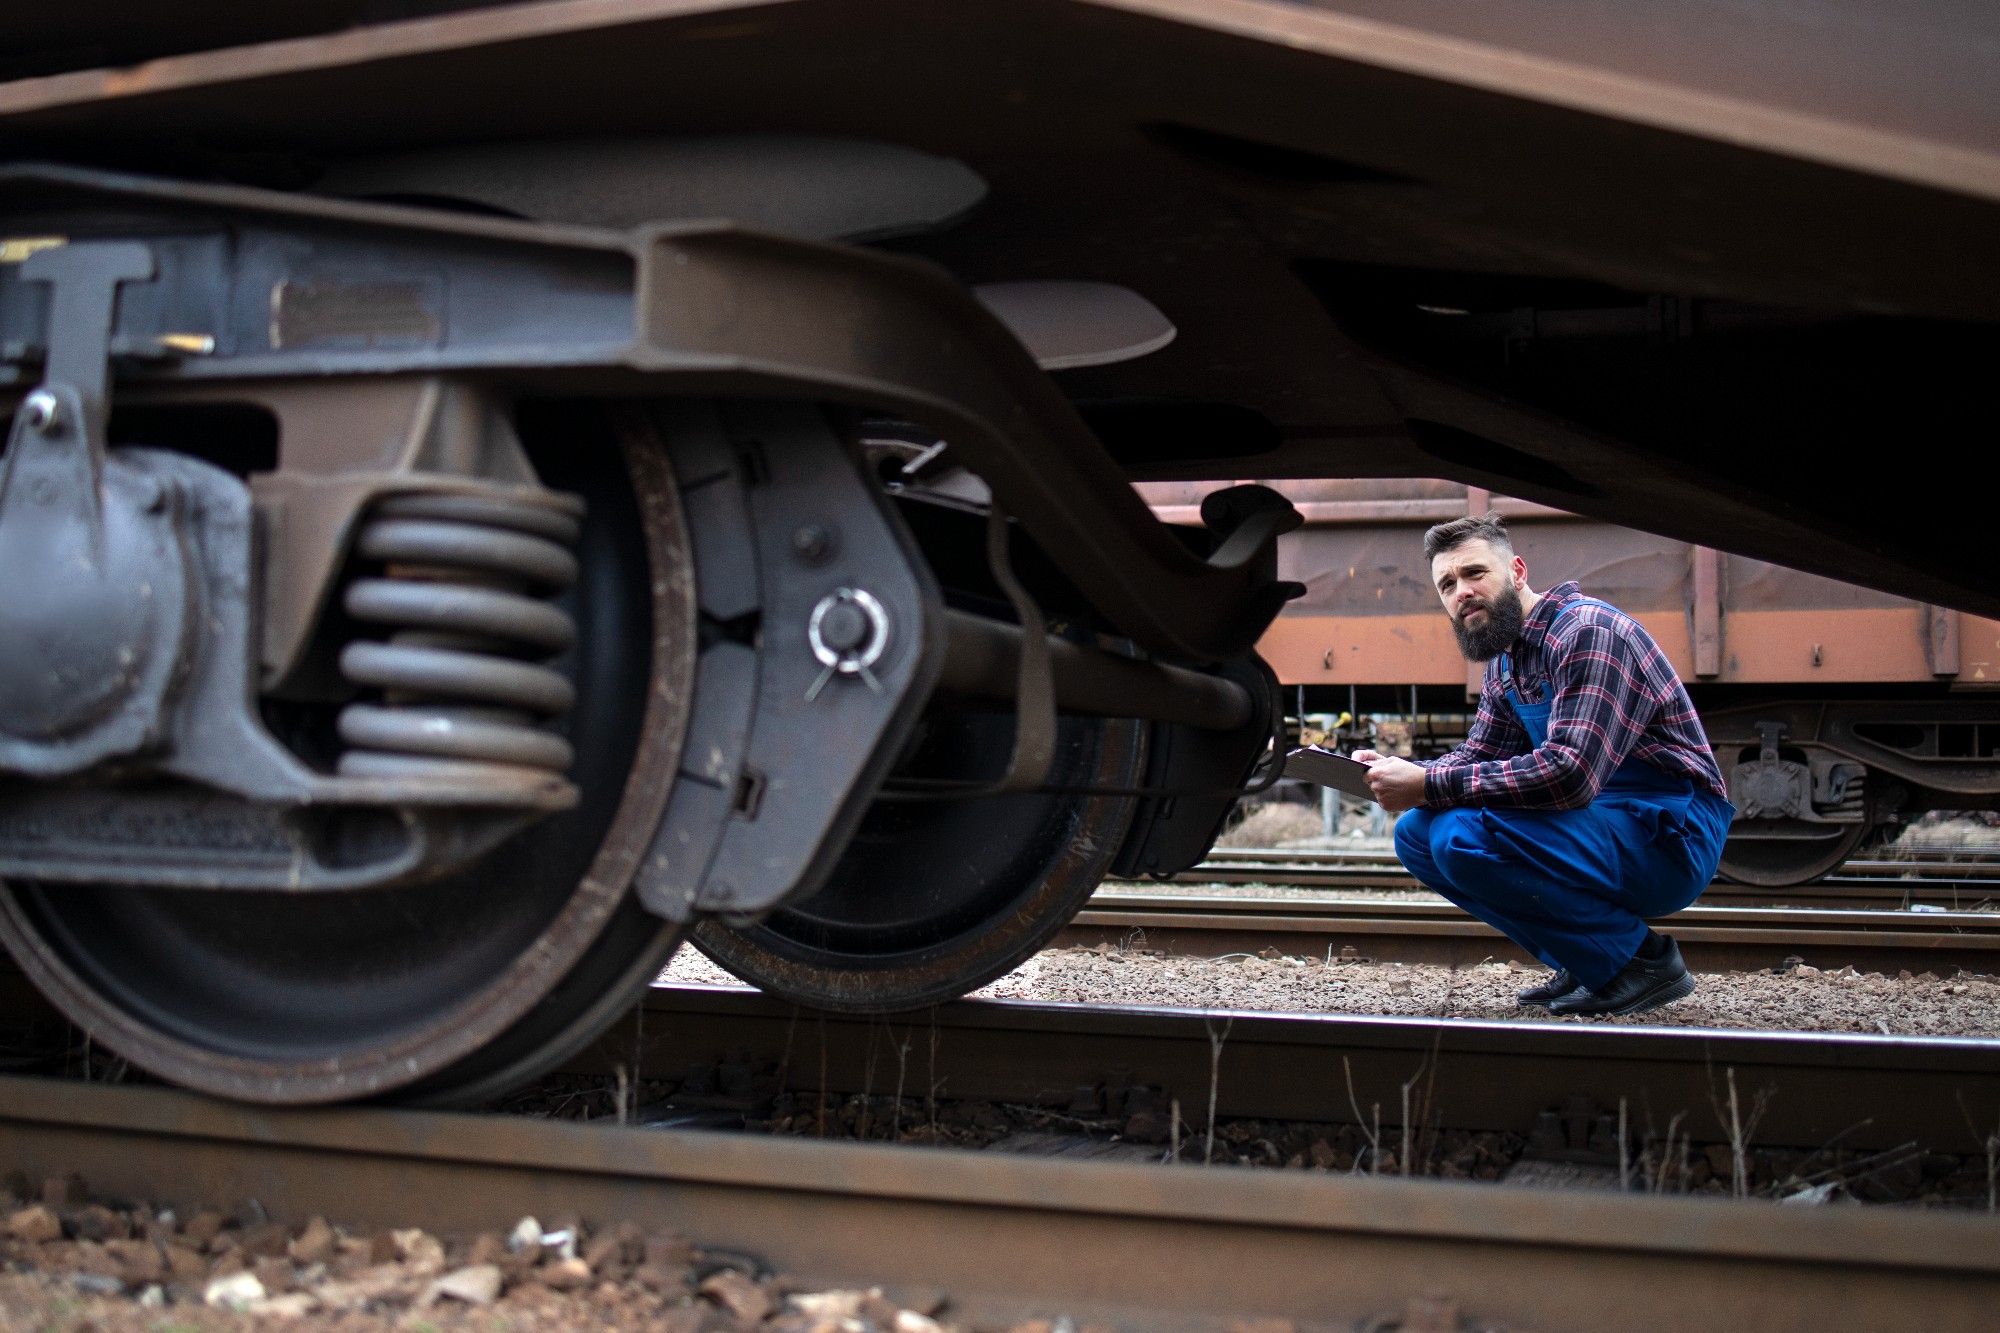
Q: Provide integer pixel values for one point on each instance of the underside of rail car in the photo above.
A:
(491, 490)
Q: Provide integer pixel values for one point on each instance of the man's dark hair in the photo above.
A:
(1486, 527)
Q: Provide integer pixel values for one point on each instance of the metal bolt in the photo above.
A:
(812, 544)
(844, 627)
(42, 411)
(848, 632)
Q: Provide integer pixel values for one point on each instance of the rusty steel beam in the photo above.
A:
(1941, 633)
(1543, 54)
(1707, 612)
(1007, 1237)
(1599, 75)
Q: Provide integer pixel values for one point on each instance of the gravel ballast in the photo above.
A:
(1801, 999)
(78, 1265)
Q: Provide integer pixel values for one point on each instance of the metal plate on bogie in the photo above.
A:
(785, 749)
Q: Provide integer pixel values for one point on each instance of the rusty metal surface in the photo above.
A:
(1711, 939)
(1758, 74)
(119, 32)
(1369, 615)
(1864, 86)
(1489, 1075)
(1150, 1247)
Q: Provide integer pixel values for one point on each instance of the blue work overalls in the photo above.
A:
(1573, 887)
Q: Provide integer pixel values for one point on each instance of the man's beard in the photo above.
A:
(1495, 634)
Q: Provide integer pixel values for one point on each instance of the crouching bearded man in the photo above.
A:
(1585, 799)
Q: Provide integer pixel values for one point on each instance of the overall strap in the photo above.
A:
(1506, 663)
(1579, 600)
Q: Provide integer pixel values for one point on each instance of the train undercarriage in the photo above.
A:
(446, 568)
(480, 581)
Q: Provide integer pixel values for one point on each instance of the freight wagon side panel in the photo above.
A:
(1370, 617)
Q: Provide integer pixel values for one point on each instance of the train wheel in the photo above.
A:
(448, 991)
(934, 899)
(1783, 863)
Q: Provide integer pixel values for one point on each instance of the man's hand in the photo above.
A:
(1398, 784)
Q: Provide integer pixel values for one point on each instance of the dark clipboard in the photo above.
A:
(1312, 764)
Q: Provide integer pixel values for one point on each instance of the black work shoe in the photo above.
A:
(1643, 984)
(1557, 986)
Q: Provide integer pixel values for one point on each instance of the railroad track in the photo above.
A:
(1932, 881)
(1712, 938)
(1139, 1245)
(1494, 1075)
(1914, 860)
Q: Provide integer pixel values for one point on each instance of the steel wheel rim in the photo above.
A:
(784, 956)
(1827, 855)
(633, 743)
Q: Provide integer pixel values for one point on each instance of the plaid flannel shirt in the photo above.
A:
(1616, 695)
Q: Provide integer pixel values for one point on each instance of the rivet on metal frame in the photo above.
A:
(42, 411)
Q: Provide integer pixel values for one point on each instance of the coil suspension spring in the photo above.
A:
(466, 689)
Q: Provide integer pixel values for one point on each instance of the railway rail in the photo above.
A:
(1917, 863)
(1935, 879)
(1868, 1092)
(1925, 913)
(1152, 1247)
(1712, 939)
